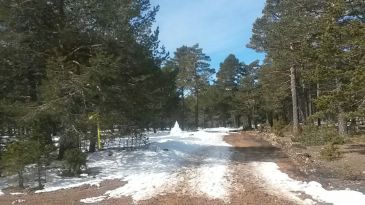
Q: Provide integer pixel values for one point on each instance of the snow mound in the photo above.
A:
(280, 181)
(1, 193)
(175, 131)
(144, 186)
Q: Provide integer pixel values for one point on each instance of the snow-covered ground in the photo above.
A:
(282, 184)
(222, 129)
(187, 159)
(195, 163)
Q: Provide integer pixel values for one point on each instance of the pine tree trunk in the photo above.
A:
(238, 121)
(342, 122)
(62, 148)
(183, 109)
(318, 94)
(253, 117)
(39, 173)
(20, 179)
(93, 139)
(310, 111)
(197, 110)
(294, 101)
(249, 122)
(342, 125)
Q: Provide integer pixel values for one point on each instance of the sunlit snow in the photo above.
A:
(281, 182)
(200, 157)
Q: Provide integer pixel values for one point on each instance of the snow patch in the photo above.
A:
(280, 181)
(68, 184)
(1, 193)
(198, 160)
(199, 156)
(145, 186)
(18, 201)
(93, 200)
(213, 181)
(17, 193)
(222, 129)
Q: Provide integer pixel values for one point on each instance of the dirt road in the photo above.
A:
(245, 186)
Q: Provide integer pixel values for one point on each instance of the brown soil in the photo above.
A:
(346, 172)
(252, 147)
(248, 189)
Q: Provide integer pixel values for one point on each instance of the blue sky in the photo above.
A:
(220, 27)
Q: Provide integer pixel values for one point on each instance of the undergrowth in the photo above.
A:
(330, 152)
(314, 135)
(279, 127)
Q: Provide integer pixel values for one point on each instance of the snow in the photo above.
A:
(222, 129)
(18, 201)
(67, 183)
(193, 162)
(197, 161)
(93, 200)
(279, 181)
(16, 193)
(144, 186)
(213, 188)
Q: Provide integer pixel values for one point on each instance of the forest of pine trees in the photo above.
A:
(72, 59)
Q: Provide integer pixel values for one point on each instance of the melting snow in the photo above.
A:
(17, 193)
(18, 201)
(93, 200)
(280, 181)
(212, 181)
(200, 157)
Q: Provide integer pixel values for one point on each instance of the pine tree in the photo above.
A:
(194, 74)
(282, 32)
(227, 82)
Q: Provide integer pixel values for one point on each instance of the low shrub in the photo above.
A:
(314, 135)
(279, 127)
(74, 159)
(330, 152)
